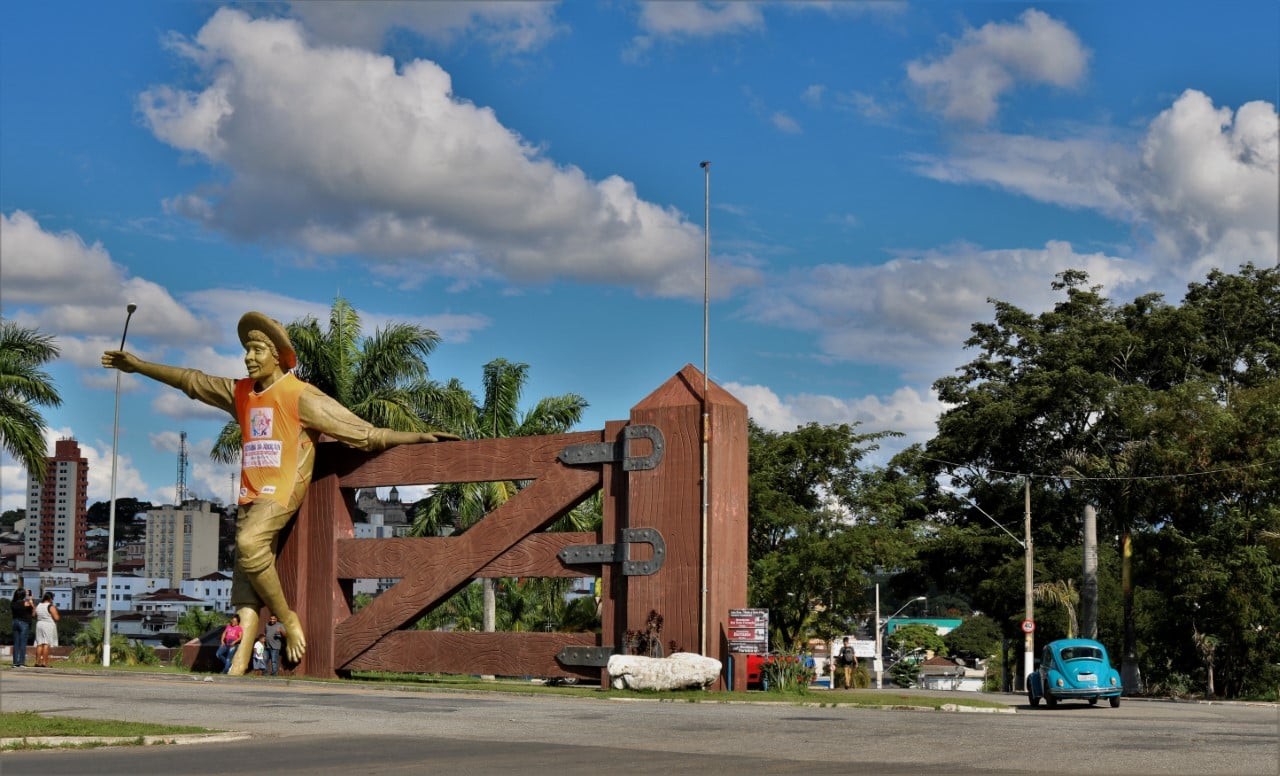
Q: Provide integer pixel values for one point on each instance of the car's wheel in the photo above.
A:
(1115, 701)
(1049, 700)
(1035, 699)
(1093, 701)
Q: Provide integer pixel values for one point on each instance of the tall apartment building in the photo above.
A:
(57, 511)
(182, 541)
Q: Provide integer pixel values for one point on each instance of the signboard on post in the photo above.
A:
(1028, 626)
(748, 631)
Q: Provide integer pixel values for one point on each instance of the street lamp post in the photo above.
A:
(111, 517)
(879, 649)
(1028, 645)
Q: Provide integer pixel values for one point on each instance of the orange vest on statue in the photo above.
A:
(273, 439)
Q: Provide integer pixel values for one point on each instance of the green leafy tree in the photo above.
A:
(24, 388)
(818, 526)
(11, 517)
(1163, 416)
(977, 638)
(382, 379)
(917, 635)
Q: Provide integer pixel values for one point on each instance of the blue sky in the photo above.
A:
(524, 179)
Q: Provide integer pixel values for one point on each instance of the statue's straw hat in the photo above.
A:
(255, 321)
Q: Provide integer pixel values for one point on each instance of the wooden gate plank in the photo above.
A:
(497, 654)
(472, 460)
(551, 495)
(534, 556)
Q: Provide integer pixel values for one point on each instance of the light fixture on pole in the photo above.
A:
(706, 420)
(111, 519)
(879, 661)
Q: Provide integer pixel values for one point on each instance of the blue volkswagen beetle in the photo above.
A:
(1074, 668)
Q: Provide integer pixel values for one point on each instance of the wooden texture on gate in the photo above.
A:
(320, 557)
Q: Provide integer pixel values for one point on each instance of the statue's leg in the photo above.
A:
(257, 529)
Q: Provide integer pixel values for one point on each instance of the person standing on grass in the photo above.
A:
(46, 629)
(24, 612)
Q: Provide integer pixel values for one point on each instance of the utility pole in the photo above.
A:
(1028, 636)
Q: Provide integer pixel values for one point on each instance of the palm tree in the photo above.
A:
(461, 505)
(23, 387)
(1062, 594)
(382, 379)
(88, 647)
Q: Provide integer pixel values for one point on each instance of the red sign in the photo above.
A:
(1028, 626)
(748, 631)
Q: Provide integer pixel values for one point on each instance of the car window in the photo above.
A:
(1081, 653)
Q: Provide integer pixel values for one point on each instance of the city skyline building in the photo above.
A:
(57, 511)
(182, 541)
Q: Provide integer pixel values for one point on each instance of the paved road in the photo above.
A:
(319, 729)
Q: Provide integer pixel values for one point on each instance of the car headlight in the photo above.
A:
(1060, 682)
(1113, 681)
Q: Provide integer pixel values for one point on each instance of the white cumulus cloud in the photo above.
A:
(1202, 183)
(968, 82)
(338, 151)
(914, 312)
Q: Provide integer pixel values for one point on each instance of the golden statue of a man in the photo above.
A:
(280, 419)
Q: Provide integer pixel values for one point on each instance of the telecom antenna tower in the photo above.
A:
(181, 490)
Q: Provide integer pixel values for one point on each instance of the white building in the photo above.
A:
(182, 541)
(169, 602)
(124, 589)
(214, 588)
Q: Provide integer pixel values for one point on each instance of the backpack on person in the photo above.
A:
(847, 656)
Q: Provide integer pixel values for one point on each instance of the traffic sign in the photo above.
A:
(1028, 626)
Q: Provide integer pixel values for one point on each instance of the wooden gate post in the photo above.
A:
(308, 564)
(669, 498)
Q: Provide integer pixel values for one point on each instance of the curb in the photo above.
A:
(178, 739)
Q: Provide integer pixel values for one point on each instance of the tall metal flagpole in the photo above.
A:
(706, 420)
(111, 519)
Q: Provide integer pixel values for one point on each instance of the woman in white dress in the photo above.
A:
(46, 629)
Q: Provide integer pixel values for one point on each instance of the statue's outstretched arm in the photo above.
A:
(215, 391)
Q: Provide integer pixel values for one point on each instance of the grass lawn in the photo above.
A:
(20, 724)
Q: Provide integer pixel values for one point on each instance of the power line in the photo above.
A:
(1082, 478)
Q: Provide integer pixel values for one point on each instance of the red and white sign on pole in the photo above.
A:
(748, 631)
(1028, 626)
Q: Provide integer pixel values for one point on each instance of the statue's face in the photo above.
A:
(259, 360)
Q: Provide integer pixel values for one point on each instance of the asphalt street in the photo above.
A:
(340, 728)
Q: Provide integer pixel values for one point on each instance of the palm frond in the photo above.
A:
(226, 448)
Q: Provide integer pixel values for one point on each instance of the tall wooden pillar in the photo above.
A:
(669, 499)
(308, 565)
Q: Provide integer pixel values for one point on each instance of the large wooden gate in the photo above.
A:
(649, 553)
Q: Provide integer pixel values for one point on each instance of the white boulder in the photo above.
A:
(682, 670)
